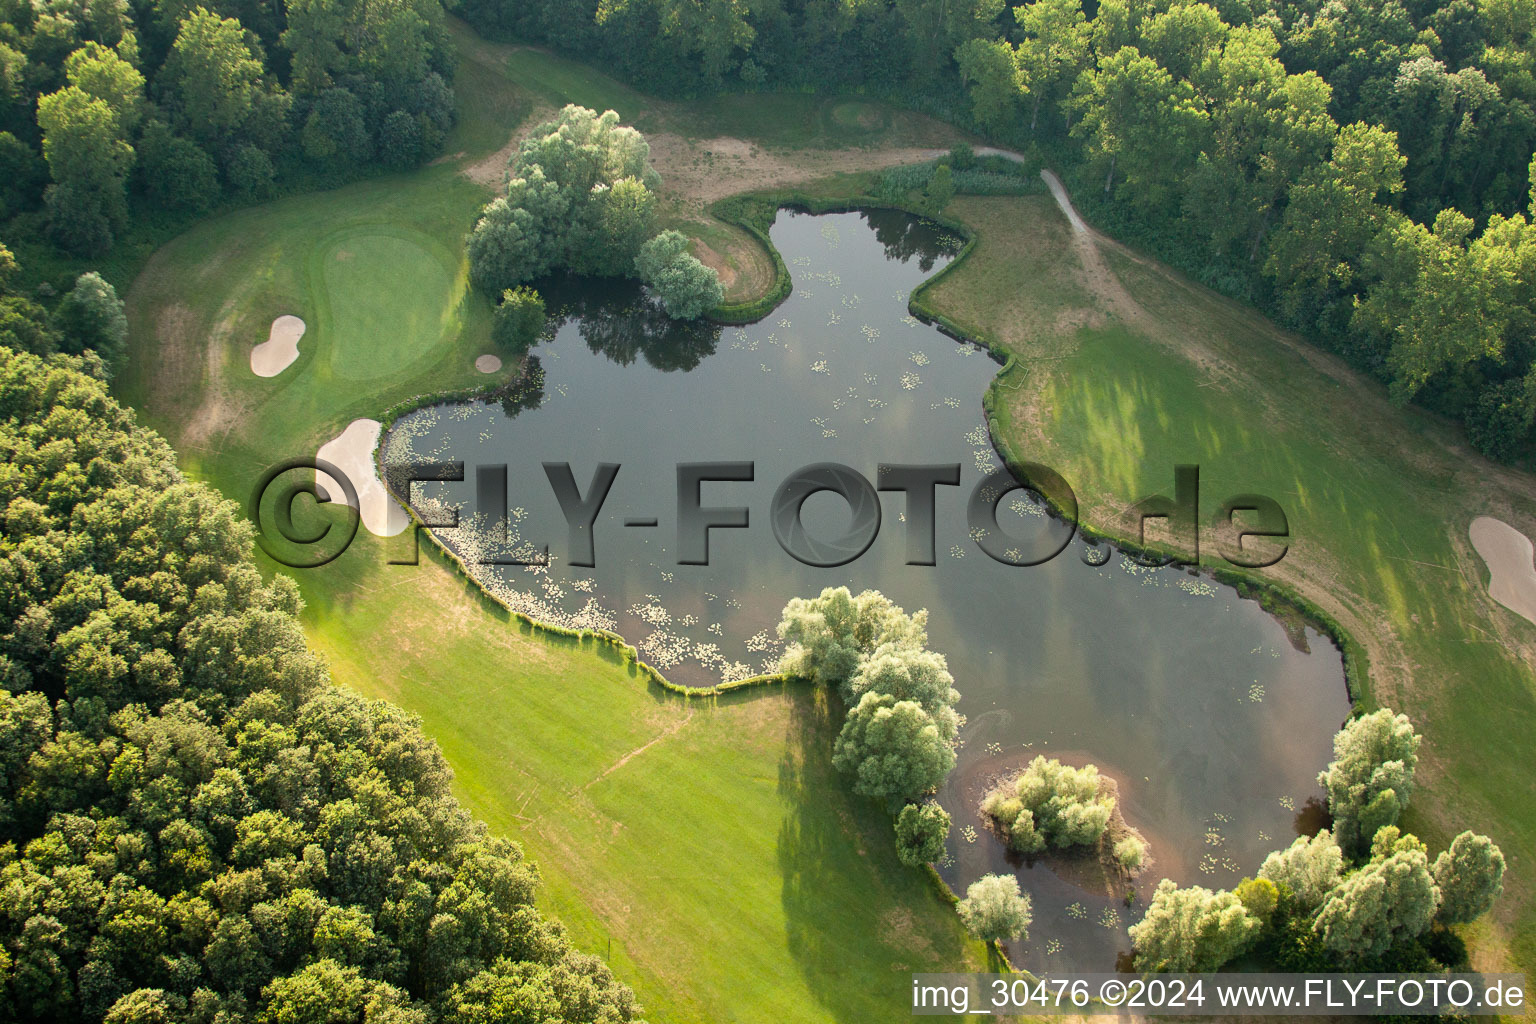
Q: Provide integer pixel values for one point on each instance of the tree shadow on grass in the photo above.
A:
(858, 920)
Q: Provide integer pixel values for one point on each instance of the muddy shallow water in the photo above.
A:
(1211, 718)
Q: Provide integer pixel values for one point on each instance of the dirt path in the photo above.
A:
(491, 170)
(669, 732)
(1059, 193)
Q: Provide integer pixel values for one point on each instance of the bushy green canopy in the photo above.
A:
(1051, 804)
(1391, 898)
(1470, 875)
(578, 198)
(686, 287)
(829, 635)
(1371, 776)
(921, 830)
(995, 910)
(1309, 868)
(1192, 929)
(195, 825)
(894, 749)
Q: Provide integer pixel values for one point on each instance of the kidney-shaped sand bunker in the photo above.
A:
(1511, 567)
(281, 348)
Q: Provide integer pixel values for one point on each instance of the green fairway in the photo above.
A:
(1127, 369)
(706, 846)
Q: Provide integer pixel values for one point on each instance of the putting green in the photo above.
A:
(386, 300)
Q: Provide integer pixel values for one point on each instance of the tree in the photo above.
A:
(1140, 122)
(168, 750)
(703, 34)
(893, 749)
(1131, 854)
(686, 287)
(1332, 214)
(1432, 302)
(939, 190)
(1370, 778)
(91, 316)
(147, 1006)
(994, 909)
(1267, 128)
(1470, 876)
(908, 672)
(213, 78)
(623, 218)
(830, 634)
(23, 175)
(1192, 929)
(921, 830)
(1309, 868)
(990, 70)
(89, 158)
(924, 33)
(1456, 130)
(1389, 899)
(1259, 897)
(400, 140)
(1050, 804)
(506, 247)
(24, 325)
(175, 172)
(102, 73)
(326, 992)
(1054, 51)
(573, 988)
(519, 320)
(335, 132)
(250, 172)
(578, 196)
(1500, 422)
(1181, 38)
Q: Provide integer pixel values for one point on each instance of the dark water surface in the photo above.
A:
(1211, 719)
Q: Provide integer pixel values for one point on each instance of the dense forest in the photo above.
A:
(1361, 170)
(197, 826)
(114, 113)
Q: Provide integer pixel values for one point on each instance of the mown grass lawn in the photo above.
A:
(706, 847)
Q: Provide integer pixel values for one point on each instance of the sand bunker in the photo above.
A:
(352, 453)
(1511, 569)
(281, 348)
(488, 364)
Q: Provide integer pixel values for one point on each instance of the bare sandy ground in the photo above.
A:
(1059, 193)
(1511, 559)
(352, 452)
(488, 363)
(281, 348)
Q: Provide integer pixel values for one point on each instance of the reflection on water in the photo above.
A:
(1210, 719)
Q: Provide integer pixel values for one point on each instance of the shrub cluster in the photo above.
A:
(1050, 804)
(1364, 896)
(579, 198)
(898, 738)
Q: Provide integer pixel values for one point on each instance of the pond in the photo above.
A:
(1212, 718)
